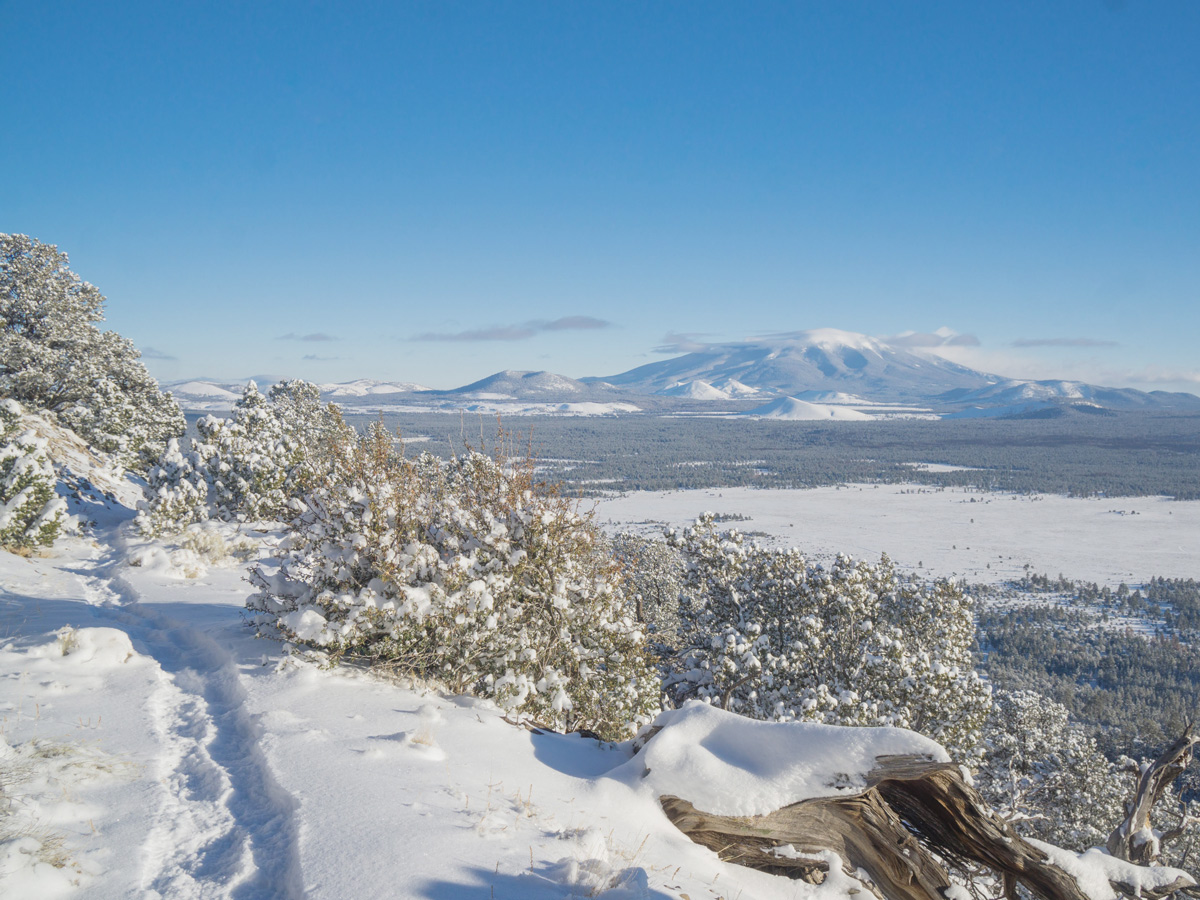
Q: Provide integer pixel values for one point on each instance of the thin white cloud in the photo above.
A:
(152, 353)
(576, 323)
(683, 342)
(316, 336)
(495, 333)
(519, 332)
(930, 340)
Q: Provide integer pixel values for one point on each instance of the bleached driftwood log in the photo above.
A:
(1134, 839)
(910, 803)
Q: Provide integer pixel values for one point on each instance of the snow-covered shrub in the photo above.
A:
(654, 581)
(1045, 773)
(31, 514)
(246, 459)
(467, 574)
(248, 467)
(771, 636)
(176, 493)
(54, 358)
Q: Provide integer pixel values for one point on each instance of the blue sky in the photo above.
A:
(434, 191)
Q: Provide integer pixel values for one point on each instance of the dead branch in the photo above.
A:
(1134, 838)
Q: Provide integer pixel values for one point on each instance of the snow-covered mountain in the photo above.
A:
(694, 390)
(202, 390)
(366, 387)
(735, 388)
(522, 385)
(837, 398)
(1015, 393)
(203, 395)
(821, 360)
(800, 410)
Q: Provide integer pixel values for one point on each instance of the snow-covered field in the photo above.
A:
(984, 537)
(174, 755)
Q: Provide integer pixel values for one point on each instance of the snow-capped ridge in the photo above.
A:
(520, 384)
(1010, 395)
(735, 388)
(366, 387)
(832, 397)
(694, 390)
(791, 409)
(201, 390)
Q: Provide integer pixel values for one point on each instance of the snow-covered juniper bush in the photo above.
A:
(53, 357)
(248, 467)
(772, 636)
(466, 573)
(31, 514)
(1045, 773)
(653, 573)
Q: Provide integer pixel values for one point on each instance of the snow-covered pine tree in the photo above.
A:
(54, 358)
(31, 514)
(465, 573)
(771, 636)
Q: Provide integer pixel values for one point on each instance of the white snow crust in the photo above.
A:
(728, 765)
(1095, 869)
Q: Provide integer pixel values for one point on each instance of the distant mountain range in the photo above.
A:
(822, 374)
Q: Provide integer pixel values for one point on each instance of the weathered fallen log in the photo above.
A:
(862, 830)
(910, 806)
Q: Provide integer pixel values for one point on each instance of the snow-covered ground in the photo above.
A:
(152, 747)
(176, 756)
(984, 537)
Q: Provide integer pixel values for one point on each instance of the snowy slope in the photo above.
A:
(178, 757)
(1014, 394)
(203, 390)
(366, 387)
(791, 409)
(837, 398)
(206, 764)
(512, 384)
(735, 388)
(694, 390)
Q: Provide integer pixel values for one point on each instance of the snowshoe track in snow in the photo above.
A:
(224, 828)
